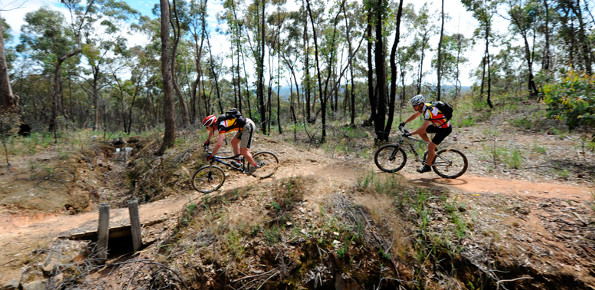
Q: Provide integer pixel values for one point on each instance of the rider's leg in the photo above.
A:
(235, 143)
(246, 142)
(246, 153)
(438, 138)
(431, 153)
(424, 136)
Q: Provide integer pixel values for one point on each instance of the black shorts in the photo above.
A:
(441, 133)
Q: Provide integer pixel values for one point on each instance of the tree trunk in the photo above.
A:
(7, 99)
(169, 136)
(393, 73)
(260, 68)
(307, 65)
(546, 60)
(458, 70)
(316, 56)
(371, 87)
(238, 35)
(421, 62)
(487, 65)
(177, 34)
(349, 90)
(58, 92)
(583, 39)
(95, 92)
(279, 84)
(379, 61)
(197, 107)
(136, 91)
(248, 103)
(439, 66)
(215, 75)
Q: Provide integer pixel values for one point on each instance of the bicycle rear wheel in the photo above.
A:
(450, 163)
(390, 158)
(268, 163)
(208, 178)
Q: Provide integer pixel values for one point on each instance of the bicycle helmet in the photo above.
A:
(419, 99)
(209, 120)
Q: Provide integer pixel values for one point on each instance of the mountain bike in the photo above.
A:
(448, 163)
(211, 177)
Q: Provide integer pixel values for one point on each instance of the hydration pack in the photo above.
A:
(445, 108)
(233, 113)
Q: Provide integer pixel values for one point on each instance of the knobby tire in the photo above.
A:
(208, 178)
(390, 158)
(268, 163)
(450, 163)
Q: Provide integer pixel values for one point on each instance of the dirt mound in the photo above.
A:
(325, 219)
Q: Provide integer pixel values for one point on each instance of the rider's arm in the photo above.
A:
(211, 132)
(422, 129)
(415, 115)
(219, 144)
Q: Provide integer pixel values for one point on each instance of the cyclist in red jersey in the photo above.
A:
(240, 142)
(434, 122)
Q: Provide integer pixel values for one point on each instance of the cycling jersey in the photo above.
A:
(230, 125)
(431, 113)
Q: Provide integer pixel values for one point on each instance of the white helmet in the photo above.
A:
(419, 99)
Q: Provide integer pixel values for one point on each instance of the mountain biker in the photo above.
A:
(434, 122)
(240, 142)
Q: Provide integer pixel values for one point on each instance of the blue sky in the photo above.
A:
(14, 12)
(144, 7)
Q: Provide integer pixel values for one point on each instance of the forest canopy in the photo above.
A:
(81, 66)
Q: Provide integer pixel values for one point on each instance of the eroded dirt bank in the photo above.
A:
(515, 233)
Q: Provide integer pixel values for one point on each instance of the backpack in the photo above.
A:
(445, 108)
(233, 113)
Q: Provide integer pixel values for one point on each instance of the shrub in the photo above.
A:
(572, 100)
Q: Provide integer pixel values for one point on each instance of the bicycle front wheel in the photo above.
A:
(390, 158)
(268, 163)
(450, 163)
(208, 178)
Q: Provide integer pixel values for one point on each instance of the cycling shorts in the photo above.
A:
(245, 134)
(441, 133)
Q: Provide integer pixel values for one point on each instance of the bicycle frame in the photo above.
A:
(220, 159)
(448, 163)
(408, 140)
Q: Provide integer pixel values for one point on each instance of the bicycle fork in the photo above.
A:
(394, 154)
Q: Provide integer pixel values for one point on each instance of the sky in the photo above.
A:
(461, 21)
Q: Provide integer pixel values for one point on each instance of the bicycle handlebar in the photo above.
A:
(217, 157)
(404, 132)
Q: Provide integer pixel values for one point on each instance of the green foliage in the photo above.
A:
(468, 122)
(234, 243)
(371, 181)
(272, 235)
(562, 173)
(572, 100)
(539, 149)
(512, 158)
(9, 122)
(522, 123)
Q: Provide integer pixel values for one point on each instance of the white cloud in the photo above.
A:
(14, 11)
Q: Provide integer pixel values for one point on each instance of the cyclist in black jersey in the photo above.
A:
(240, 142)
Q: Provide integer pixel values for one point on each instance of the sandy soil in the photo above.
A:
(552, 211)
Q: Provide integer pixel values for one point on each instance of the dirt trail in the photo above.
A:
(21, 233)
(53, 225)
(480, 184)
